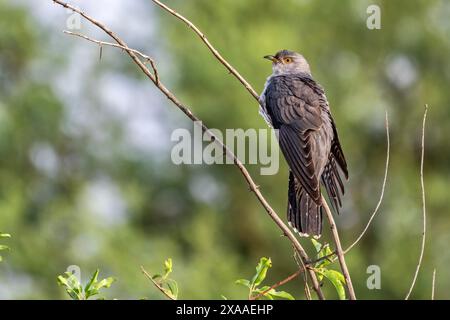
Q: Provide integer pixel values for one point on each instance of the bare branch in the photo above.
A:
(211, 48)
(156, 284)
(115, 45)
(424, 211)
(339, 252)
(253, 187)
(382, 188)
(110, 44)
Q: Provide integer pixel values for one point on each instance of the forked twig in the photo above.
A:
(115, 45)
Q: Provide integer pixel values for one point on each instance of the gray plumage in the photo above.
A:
(294, 104)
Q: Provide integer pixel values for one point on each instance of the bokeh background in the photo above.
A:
(85, 171)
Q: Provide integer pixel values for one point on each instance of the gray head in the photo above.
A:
(288, 62)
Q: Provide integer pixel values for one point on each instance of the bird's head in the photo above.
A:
(288, 62)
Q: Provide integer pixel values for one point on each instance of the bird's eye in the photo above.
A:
(287, 60)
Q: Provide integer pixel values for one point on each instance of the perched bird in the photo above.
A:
(296, 106)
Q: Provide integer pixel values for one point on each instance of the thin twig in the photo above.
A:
(339, 251)
(115, 45)
(306, 288)
(210, 47)
(156, 284)
(303, 266)
(424, 210)
(272, 214)
(279, 283)
(433, 284)
(382, 188)
(329, 257)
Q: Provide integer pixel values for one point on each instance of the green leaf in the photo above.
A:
(243, 282)
(261, 271)
(62, 281)
(75, 290)
(73, 282)
(72, 285)
(167, 267)
(4, 247)
(320, 276)
(272, 293)
(324, 252)
(105, 283)
(259, 291)
(317, 245)
(156, 276)
(223, 297)
(268, 296)
(281, 294)
(169, 286)
(337, 279)
(92, 281)
(173, 288)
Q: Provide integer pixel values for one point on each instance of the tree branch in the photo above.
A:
(211, 48)
(115, 45)
(424, 211)
(253, 187)
(339, 252)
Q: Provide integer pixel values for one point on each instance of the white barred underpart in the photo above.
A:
(262, 103)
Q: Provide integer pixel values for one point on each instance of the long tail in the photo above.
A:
(304, 215)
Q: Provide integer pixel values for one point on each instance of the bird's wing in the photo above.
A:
(336, 150)
(294, 107)
(331, 177)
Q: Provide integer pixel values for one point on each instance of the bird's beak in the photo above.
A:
(271, 58)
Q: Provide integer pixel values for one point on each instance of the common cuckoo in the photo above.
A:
(296, 106)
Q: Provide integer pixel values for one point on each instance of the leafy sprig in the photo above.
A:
(2, 246)
(77, 292)
(264, 291)
(324, 255)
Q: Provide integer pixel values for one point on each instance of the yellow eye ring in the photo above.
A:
(287, 60)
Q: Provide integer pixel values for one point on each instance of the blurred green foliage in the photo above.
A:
(4, 246)
(75, 289)
(53, 171)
